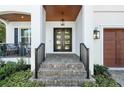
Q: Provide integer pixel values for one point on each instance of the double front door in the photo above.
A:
(63, 39)
(114, 47)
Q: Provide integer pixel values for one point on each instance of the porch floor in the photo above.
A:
(62, 58)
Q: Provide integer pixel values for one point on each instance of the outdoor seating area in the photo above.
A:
(15, 50)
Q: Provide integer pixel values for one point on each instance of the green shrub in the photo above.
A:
(89, 84)
(7, 69)
(21, 65)
(100, 70)
(12, 67)
(20, 79)
(102, 77)
(101, 81)
(105, 81)
(2, 63)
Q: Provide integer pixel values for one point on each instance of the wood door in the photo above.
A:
(63, 39)
(109, 48)
(114, 47)
(120, 48)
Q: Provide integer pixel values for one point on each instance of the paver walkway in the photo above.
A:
(118, 75)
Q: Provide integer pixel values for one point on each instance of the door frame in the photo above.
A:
(54, 39)
(102, 27)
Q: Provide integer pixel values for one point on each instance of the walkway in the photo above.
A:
(118, 75)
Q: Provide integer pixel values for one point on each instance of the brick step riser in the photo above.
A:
(62, 70)
(59, 76)
(63, 83)
(51, 66)
(46, 73)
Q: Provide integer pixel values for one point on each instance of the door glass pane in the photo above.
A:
(66, 47)
(24, 40)
(58, 36)
(59, 32)
(59, 47)
(66, 32)
(26, 36)
(67, 36)
(58, 42)
(67, 42)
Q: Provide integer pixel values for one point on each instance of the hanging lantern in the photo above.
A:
(62, 20)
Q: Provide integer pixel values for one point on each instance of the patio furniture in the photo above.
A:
(11, 49)
(22, 51)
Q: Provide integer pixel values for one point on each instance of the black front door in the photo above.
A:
(63, 39)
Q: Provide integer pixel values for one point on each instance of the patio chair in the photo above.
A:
(11, 49)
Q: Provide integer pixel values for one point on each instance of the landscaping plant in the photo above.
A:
(12, 67)
(2, 32)
(14, 74)
(102, 77)
(20, 79)
(101, 70)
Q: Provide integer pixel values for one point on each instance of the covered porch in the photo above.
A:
(58, 28)
(67, 42)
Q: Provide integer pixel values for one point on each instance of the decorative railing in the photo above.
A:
(15, 50)
(39, 57)
(84, 57)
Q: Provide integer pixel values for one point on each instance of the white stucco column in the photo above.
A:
(88, 32)
(8, 34)
(36, 29)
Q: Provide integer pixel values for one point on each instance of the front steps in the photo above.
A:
(62, 70)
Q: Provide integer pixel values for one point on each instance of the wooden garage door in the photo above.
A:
(114, 47)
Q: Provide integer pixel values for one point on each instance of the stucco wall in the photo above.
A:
(79, 32)
(49, 34)
(106, 17)
(36, 23)
(10, 29)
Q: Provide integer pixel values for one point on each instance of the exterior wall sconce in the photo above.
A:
(96, 33)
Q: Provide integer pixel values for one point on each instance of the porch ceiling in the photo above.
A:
(12, 17)
(54, 12)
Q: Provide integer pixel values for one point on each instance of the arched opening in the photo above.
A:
(15, 34)
(2, 32)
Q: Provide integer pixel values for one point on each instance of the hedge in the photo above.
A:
(12, 67)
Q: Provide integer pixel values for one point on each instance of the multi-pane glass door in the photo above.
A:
(25, 36)
(63, 39)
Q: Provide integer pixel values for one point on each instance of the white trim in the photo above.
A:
(26, 59)
(98, 11)
(4, 21)
(117, 68)
(102, 38)
(62, 53)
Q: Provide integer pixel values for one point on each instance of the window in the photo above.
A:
(25, 36)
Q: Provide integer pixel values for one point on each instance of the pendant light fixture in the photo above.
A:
(62, 20)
